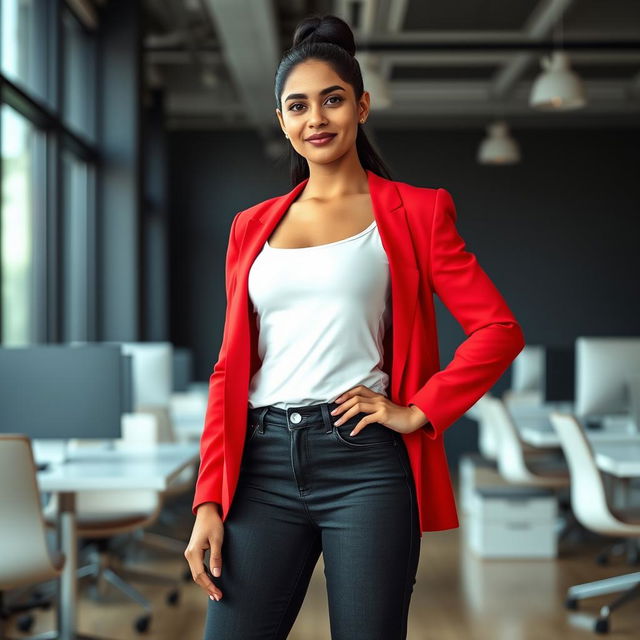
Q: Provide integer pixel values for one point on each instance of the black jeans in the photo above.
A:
(307, 487)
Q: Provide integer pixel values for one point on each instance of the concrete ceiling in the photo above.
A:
(448, 64)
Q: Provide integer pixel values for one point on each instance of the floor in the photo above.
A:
(457, 596)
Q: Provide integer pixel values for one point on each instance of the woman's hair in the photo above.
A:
(330, 39)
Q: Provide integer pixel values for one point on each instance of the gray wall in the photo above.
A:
(558, 233)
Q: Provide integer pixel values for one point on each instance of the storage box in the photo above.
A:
(512, 522)
(476, 471)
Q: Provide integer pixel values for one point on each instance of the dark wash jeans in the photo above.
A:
(307, 487)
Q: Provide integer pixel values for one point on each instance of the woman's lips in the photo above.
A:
(318, 142)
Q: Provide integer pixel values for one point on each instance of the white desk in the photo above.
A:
(539, 432)
(125, 467)
(621, 459)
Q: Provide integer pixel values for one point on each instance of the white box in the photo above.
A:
(512, 522)
(474, 471)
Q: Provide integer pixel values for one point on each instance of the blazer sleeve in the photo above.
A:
(209, 481)
(494, 337)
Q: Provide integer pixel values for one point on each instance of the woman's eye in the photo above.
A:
(299, 104)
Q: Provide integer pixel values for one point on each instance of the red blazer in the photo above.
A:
(426, 256)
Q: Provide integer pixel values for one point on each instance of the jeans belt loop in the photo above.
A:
(261, 415)
(326, 418)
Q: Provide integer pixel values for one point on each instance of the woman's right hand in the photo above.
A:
(207, 533)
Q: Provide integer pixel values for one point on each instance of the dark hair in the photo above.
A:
(330, 39)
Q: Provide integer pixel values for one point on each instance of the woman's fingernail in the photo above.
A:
(351, 433)
(211, 597)
(333, 412)
(216, 572)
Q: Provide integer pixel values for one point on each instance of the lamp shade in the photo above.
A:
(558, 88)
(498, 147)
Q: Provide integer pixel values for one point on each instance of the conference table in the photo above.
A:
(109, 466)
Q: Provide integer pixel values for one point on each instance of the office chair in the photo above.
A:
(523, 465)
(591, 507)
(518, 462)
(101, 516)
(26, 556)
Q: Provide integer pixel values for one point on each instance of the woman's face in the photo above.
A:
(308, 108)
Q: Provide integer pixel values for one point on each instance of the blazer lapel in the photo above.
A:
(391, 218)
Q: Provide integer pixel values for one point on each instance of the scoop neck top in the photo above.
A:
(321, 246)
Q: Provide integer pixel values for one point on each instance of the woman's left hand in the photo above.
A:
(361, 399)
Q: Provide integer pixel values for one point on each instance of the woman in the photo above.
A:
(327, 405)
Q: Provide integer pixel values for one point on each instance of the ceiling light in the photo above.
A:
(558, 88)
(498, 147)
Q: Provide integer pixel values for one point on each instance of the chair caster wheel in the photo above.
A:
(142, 623)
(571, 603)
(173, 597)
(602, 625)
(24, 623)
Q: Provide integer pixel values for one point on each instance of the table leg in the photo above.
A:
(67, 596)
(67, 623)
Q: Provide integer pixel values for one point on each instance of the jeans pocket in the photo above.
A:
(373, 434)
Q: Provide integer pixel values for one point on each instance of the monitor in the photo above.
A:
(152, 372)
(527, 373)
(603, 367)
(61, 391)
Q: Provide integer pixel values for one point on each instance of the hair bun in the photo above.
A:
(329, 28)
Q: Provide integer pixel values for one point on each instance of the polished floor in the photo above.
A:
(457, 596)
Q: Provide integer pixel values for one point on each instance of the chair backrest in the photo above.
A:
(487, 438)
(23, 543)
(165, 431)
(527, 370)
(588, 495)
(510, 455)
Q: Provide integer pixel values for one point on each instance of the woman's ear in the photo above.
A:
(279, 116)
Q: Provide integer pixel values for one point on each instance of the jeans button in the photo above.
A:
(295, 417)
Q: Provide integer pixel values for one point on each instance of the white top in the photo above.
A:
(322, 313)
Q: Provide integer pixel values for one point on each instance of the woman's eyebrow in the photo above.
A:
(301, 96)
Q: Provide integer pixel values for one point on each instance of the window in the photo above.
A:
(78, 249)
(79, 76)
(19, 286)
(27, 46)
(48, 104)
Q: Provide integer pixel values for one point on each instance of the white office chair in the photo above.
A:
(522, 464)
(103, 515)
(518, 462)
(25, 557)
(592, 509)
(487, 439)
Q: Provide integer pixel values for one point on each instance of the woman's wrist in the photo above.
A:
(209, 507)
(421, 418)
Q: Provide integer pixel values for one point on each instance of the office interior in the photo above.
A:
(132, 133)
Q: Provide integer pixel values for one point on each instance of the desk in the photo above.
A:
(98, 467)
(620, 459)
(539, 432)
